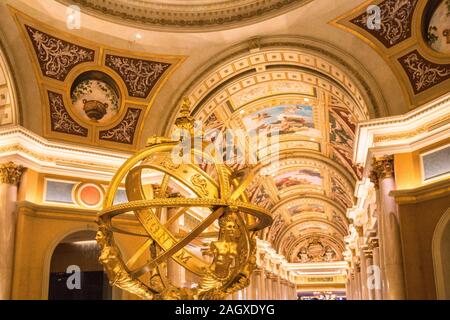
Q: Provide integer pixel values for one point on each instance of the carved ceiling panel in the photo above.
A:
(95, 95)
(411, 37)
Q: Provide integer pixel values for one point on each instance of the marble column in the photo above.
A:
(262, 285)
(351, 289)
(268, 286)
(358, 282)
(294, 291)
(256, 284)
(348, 288)
(369, 288)
(273, 284)
(383, 168)
(363, 273)
(10, 175)
(378, 290)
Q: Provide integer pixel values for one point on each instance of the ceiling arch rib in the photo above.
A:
(311, 106)
(8, 100)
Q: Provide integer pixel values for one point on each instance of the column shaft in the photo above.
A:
(10, 175)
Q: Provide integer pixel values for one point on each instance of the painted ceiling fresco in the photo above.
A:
(308, 185)
(321, 126)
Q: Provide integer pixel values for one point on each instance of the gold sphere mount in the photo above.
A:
(228, 257)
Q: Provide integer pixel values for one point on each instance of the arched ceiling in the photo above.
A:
(312, 105)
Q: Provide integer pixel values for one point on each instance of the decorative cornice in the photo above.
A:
(11, 173)
(387, 135)
(187, 16)
(424, 193)
(29, 149)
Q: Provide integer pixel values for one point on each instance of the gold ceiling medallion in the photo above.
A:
(231, 248)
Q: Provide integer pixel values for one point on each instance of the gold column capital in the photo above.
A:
(368, 254)
(382, 167)
(373, 243)
(11, 173)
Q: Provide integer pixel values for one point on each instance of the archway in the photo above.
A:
(441, 257)
(75, 273)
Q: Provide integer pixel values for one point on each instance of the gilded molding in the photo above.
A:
(11, 173)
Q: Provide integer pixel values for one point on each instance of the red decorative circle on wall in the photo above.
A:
(90, 195)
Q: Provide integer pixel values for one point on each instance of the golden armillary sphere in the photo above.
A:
(223, 266)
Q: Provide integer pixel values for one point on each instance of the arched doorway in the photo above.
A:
(441, 257)
(75, 273)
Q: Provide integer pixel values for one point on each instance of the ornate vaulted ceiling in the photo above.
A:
(313, 104)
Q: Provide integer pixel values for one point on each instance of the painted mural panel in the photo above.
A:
(301, 177)
(307, 207)
(339, 193)
(342, 136)
(287, 119)
(262, 198)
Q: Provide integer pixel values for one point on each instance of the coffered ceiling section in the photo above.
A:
(413, 36)
(93, 94)
(186, 15)
(309, 107)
